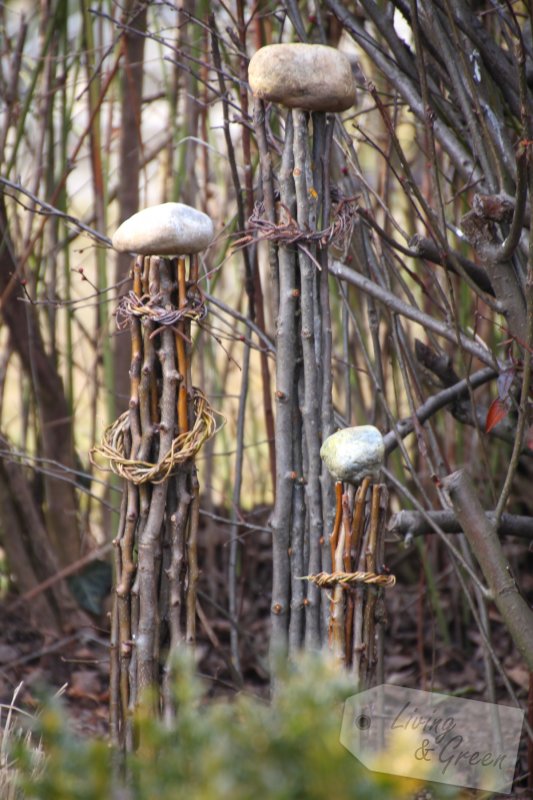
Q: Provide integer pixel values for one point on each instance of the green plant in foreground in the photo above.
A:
(14, 734)
(245, 748)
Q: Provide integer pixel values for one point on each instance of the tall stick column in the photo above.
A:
(308, 80)
(152, 446)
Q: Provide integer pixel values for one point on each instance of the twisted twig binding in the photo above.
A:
(327, 579)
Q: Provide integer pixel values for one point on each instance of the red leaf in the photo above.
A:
(495, 414)
(529, 437)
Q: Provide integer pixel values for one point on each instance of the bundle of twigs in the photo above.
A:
(152, 447)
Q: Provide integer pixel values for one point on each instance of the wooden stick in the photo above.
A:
(180, 337)
(334, 537)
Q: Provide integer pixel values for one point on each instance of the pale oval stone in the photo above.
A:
(170, 229)
(352, 454)
(312, 77)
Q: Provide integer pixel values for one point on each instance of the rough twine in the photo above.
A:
(287, 231)
(326, 579)
(150, 308)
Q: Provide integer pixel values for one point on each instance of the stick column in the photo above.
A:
(152, 447)
(354, 457)
(312, 82)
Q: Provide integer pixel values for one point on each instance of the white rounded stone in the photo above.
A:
(352, 454)
(312, 77)
(170, 229)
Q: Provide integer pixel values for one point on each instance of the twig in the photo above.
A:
(310, 409)
(433, 404)
(236, 502)
(147, 647)
(267, 184)
(526, 377)
(52, 211)
(65, 572)
(505, 251)
(286, 350)
(412, 523)
(403, 490)
(397, 305)
(487, 549)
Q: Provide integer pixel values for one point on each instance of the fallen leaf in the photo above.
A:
(519, 675)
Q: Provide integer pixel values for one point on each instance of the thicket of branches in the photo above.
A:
(108, 108)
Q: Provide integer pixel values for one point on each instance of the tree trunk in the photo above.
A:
(130, 157)
(29, 554)
(55, 422)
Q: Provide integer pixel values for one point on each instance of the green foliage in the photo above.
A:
(246, 748)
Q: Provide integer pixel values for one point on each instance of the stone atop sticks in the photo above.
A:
(352, 454)
(311, 77)
(170, 229)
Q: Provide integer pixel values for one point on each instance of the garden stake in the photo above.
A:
(152, 447)
(306, 79)
(355, 456)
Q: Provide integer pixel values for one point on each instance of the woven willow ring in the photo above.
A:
(183, 447)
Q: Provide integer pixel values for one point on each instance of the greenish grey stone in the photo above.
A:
(352, 454)
(170, 229)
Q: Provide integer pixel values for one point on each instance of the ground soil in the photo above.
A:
(427, 645)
